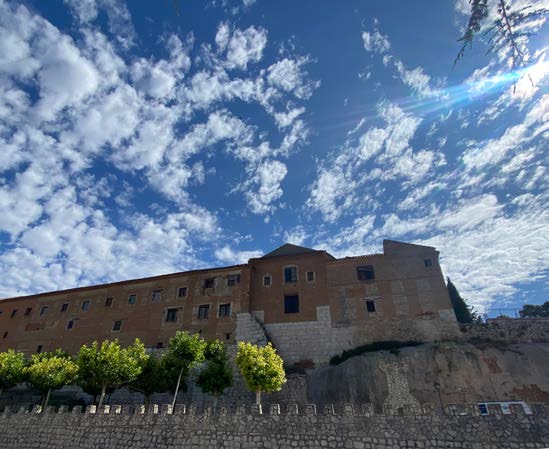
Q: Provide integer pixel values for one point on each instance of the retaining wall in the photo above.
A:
(134, 428)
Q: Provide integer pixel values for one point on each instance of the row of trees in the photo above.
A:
(103, 367)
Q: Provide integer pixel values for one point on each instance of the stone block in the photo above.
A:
(368, 410)
(329, 409)
(274, 409)
(310, 409)
(91, 409)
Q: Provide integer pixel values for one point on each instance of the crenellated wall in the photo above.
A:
(347, 427)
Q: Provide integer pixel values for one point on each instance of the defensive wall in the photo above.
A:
(247, 427)
(508, 330)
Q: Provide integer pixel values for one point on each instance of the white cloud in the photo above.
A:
(375, 42)
(267, 180)
(290, 76)
(246, 46)
(227, 255)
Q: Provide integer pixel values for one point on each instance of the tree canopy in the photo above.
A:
(109, 365)
(218, 374)
(533, 311)
(12, 369)
(261, 367)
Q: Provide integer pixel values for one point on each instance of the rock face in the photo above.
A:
(465, 373)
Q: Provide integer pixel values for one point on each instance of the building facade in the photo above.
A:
(308, 303)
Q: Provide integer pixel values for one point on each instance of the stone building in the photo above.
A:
(308, 303)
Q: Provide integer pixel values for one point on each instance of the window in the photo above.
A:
(13, 313)
(28, 311)
(117, 325)
(228, 336)
(483, 409)
(171, 315)
(370, 306)
(365, 273)
(291, 304)
(39, 349)
(209, 283)
(267, 281)
(224, 310)
(132, 299)
(428, 263)
(70, 324)
(181, 292)
(5, 335)
(86, 304)
(310, 276)
(108, 302)
(203, 311)
(159, 345)
(43, 310)
(64, 307)
(290, 274)
(233, 279)
(157, 295)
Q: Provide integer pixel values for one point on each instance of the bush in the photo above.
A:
(391, 346)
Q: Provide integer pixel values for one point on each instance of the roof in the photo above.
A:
(289, 250)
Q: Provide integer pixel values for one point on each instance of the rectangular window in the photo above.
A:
(428, 263)
(13, 313)
(159, 345)
(28, 311)
(310, 276)
(483, 409)
(70, 324)
(132, 299)
(267, 281)
(86, 304)
(171, 315)
(5, 335)
(39, 349)
(291, 304)
(233, 279)
(108, 302)
(64, 307)
(203, 311)
(365, 272)
(181, 292)
(116, 325)
(43, 310)
(209, 283)
(290, 274)
(224, 310)
(157, 295)
(370, 306)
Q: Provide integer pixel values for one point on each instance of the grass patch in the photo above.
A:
(392, 346)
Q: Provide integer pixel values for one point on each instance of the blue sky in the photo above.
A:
(139, 140)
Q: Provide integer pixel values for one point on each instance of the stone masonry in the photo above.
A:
(135, 428)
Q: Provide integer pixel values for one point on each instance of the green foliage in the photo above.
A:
(531, 311)
(392, 346)
(185, 351)
(218, 374)
(154, 378)
(12, 368)
(261, 367)
(109, 365)
(50, 371)
(465, 313)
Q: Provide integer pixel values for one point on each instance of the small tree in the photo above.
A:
(155, 378)
(465, 313)
(185, 351)
(532, 311)
(110, 366)
(261, 367)
(218, 374)
(50, 371)
(12, 369)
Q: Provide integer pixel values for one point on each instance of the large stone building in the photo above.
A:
(308, 303)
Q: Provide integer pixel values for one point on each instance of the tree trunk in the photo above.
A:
(177, 388)
(46, 400)
(258, 396)
(102, 397)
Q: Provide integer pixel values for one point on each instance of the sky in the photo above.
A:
(145, 138)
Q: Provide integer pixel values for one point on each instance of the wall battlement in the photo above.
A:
(246, 427)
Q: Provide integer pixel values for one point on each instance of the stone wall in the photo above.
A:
(509, 330)
(118, 427)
